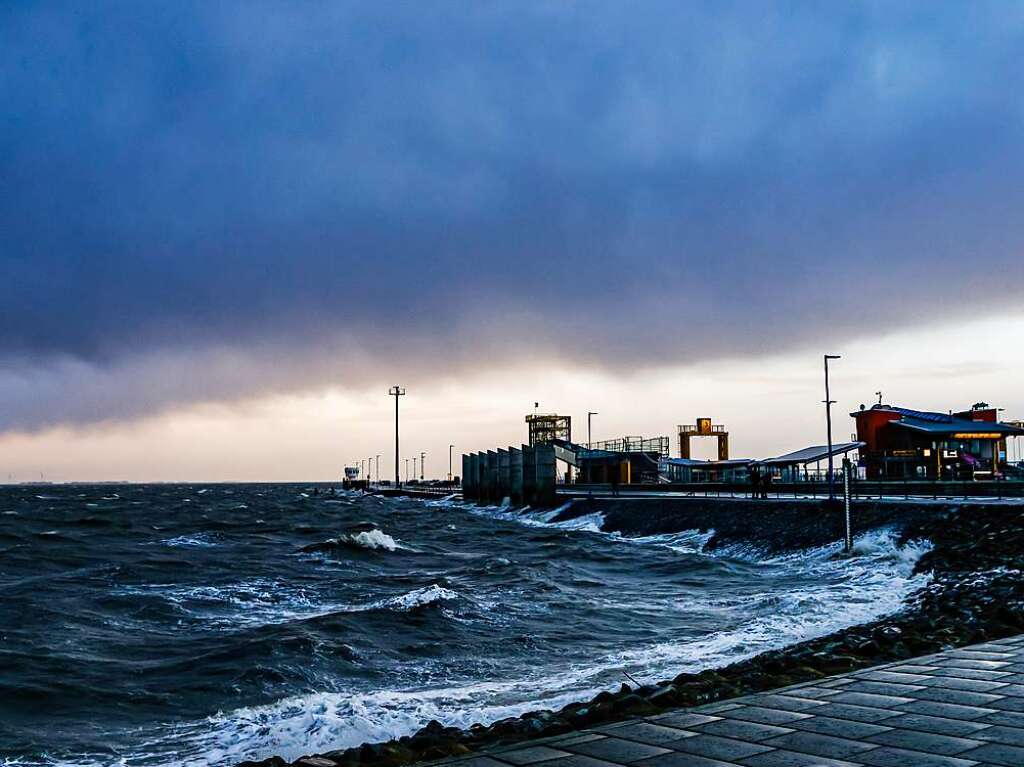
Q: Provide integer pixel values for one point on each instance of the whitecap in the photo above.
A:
(422, 597)
(200, 540)
(372, 539)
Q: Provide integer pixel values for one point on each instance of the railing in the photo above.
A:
(863, 490)
(659, 445)
(690, 428)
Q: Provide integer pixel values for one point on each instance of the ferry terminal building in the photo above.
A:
(900, 443)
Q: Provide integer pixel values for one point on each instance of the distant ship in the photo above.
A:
(351, 480)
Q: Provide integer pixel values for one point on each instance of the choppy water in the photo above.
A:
(186, 625)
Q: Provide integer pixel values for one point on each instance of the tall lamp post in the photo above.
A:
(450, 448)
(828, 421)
(406, 469)
(414, 467)
(378, 468)
(590, 413)
(396, 392)
(423, 460)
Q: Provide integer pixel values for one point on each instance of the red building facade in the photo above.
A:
(901, 443)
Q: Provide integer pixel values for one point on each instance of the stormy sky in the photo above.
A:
(212, 202)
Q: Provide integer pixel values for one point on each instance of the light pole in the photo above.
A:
(377, 467)
(423, 460)
(414, 467)
(396, 392)
(362, 468)
(406, 469)
(590, 413)
(450, 448)
(828, 421)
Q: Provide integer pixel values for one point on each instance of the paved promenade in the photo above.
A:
(954, 709)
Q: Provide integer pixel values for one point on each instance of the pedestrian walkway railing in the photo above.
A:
(860, 489)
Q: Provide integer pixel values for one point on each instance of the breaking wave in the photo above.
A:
(429, 595)
(373, 539)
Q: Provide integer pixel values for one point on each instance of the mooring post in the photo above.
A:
(846, 502)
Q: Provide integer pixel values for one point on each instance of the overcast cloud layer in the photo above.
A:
(301, 191)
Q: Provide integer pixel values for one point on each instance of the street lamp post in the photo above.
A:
(377, 468)
(828, 421)
(406, 469)
(423, 460)
(590, 413)
(450, 448)
(396, 392)
(414, 467)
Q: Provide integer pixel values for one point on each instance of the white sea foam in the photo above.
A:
(540, 518)
(589, 523)
(685, 542)
(846, 591)
(200, 540)
(258, 602)
(372, 539)
(428, 595)
(325, 721)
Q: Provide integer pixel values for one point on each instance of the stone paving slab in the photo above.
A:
(962, 708)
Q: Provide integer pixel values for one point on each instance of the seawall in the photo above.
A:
(768, 525)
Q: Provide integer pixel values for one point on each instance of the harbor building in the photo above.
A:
(901, 443)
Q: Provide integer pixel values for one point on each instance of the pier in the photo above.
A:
(960, 708)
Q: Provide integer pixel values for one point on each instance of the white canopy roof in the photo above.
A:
(814, 453)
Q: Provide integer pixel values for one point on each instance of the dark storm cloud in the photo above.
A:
(612, 183)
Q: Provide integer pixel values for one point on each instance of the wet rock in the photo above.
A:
(664, 697)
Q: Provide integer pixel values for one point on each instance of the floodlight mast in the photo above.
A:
(396, 392)
(829, 402)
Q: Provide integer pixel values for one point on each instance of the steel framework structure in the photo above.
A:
(703, 428)
(545, 428)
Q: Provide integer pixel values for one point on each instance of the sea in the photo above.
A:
(145, 625)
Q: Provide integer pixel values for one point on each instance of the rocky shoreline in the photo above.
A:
(976, 595)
